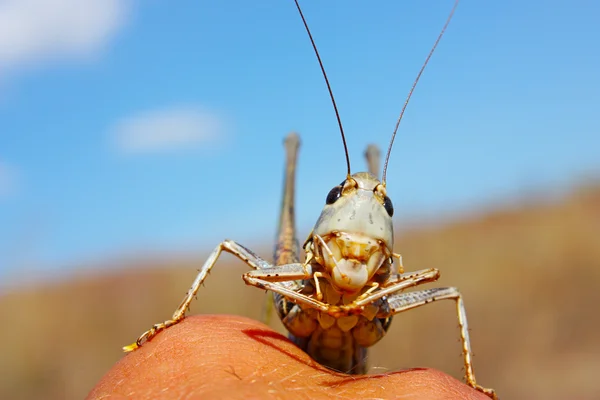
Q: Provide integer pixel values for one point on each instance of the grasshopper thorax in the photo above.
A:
(354, 235)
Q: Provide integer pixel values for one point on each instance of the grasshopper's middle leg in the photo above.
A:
(268, 273)
(400, 302)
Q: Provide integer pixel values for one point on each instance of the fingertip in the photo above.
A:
(426, 383)
(208, 352)
(180, 358)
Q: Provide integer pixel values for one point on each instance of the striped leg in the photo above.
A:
(406, 301)
(264, 276)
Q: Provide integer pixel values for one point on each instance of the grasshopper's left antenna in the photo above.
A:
(337, 114)
(387, 157)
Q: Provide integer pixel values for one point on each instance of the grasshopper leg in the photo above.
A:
(267, 279)
(400, 302)
(267, 272)
(372, 154)
(286, 248)
(396, 283)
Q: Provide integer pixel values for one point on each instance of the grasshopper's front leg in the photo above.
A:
(263, 278)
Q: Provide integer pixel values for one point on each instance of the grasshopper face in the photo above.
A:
(356, 226)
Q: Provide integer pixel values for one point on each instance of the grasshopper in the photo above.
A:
(342, 298)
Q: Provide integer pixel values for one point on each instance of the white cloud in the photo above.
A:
(34, 31)
(8, 180)
(167, 129)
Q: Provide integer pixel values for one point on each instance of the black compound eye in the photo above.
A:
(389, 207)
(333, 195)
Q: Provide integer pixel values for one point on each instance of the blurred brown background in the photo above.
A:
(530, 275)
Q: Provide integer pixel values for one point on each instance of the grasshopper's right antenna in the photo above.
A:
(387, 157)
(337, 114)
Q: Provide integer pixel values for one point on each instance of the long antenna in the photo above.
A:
(387, 157)
(337, 114)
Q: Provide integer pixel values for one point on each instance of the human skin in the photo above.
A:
(229, 357)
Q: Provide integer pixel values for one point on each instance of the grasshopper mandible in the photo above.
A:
(342, 298)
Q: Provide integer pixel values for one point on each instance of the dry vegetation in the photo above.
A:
(530, 276)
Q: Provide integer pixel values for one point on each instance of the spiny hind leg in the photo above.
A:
(401, 302)
(284, 272)
(372, 154)
(286, 249)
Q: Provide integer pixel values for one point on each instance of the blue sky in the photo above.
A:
(130, 127)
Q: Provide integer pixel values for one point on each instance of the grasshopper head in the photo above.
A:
(356, 226)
